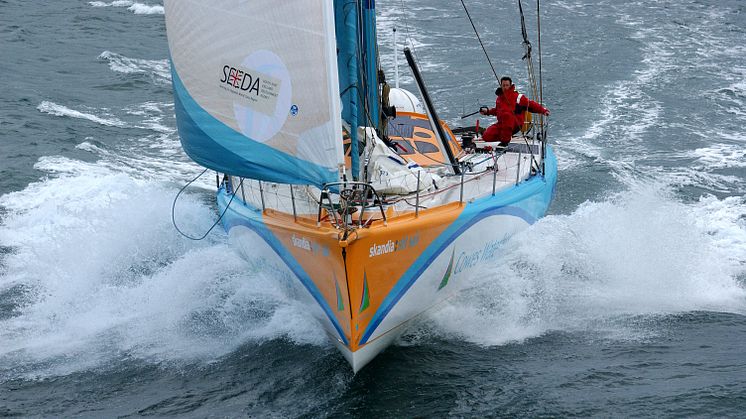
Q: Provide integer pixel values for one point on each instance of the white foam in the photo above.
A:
(575, 9)
(627, 111)
(740, 86)
(107, 276)
(164, 161)
(630, 111)
(116, 3)
(400, 17)
(720, 156)
(60, 110)
(136, 8)
(86, 146)
(639, 253)
(152, 115)
(156, 156)
(145, 9)
(144, 167)
(160, 70)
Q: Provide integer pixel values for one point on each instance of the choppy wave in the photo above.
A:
(627, 111)
(576, 9)
(148, 115)
(136, 8)
(638, 129)
(639, 253)
(151, 116)
(98, 272)
(720, 156)
(116, 3)
(160, 70)
(156, 156)
(60, 110)
(93, 270)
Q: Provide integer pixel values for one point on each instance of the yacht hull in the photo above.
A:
(366, 289)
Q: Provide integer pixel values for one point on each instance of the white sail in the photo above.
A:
(256, 87)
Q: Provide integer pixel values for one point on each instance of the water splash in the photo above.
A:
(638, 253)
(94, 271)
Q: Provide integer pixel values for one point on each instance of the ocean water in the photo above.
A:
(628, 299)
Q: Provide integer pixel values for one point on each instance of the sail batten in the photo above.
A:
(256, 87)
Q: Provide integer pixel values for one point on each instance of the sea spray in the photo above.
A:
(97, 272)
(639, 253)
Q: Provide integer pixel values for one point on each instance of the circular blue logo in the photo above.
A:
(294, 110)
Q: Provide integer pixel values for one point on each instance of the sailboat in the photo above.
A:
(363, 200)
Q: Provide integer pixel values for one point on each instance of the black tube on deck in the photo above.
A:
(431, 111)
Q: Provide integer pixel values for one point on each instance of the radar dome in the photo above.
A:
(405, 101)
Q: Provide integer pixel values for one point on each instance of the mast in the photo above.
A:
(346, 26)
(370, 64)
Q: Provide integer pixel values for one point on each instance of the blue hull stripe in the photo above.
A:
(535, 194)
(257, 226)
(430, 254)
(527, 201)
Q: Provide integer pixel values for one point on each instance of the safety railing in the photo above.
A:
(357, 204)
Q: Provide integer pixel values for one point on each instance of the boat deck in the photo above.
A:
(485, 173)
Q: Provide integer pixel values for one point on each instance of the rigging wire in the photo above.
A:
(480, 41)
(361, 54)
(541, 84)
(409, 34)
(527, 56)
(537, 88)
(537, 92)
(173, 209)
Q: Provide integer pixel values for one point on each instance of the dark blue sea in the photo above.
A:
(627, 300)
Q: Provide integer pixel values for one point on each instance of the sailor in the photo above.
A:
(510, 110)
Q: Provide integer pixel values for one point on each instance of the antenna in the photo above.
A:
(396, 62)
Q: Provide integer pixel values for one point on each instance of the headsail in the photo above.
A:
(256, 87)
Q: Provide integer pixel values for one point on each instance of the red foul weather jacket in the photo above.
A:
(510, 110)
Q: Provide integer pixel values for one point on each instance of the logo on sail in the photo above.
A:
(240, 79)
(259, 91)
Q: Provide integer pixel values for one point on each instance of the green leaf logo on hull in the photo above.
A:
(366, 297)
(447, 276)
(340, 302)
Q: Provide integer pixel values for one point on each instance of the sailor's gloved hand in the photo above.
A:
(483, 110)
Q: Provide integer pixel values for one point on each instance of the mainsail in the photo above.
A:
(256, 87)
